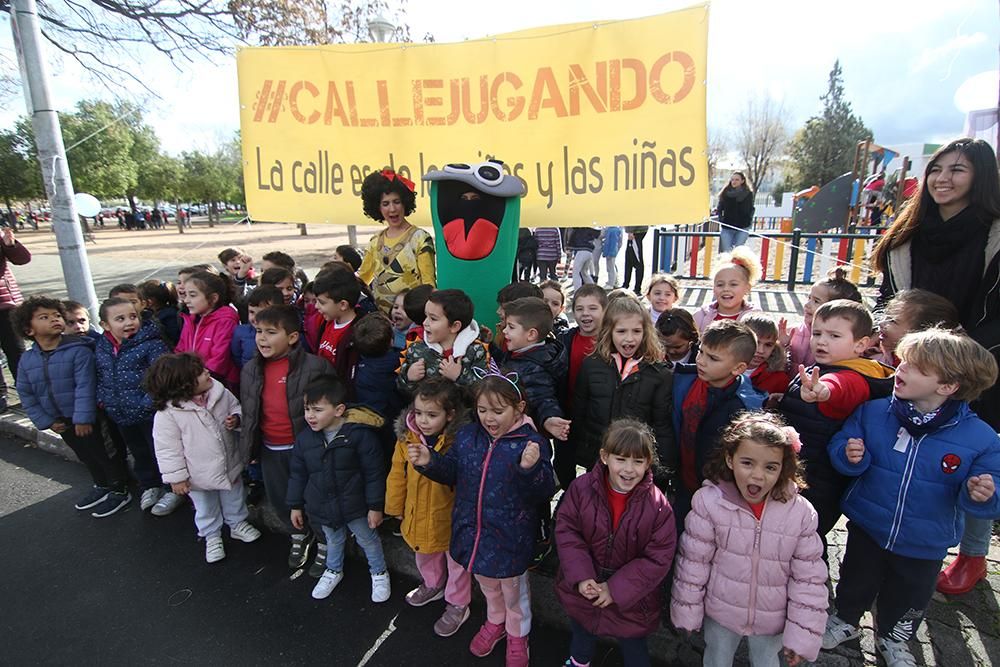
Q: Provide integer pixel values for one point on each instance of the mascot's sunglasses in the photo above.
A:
(487, 173)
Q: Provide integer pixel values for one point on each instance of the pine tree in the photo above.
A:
(824, 148)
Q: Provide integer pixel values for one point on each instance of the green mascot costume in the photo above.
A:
(476, 209)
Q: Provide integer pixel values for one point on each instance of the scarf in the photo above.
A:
(948, 257)
(918, 423)
(693, 408)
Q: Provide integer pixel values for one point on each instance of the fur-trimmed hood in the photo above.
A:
(404, 422)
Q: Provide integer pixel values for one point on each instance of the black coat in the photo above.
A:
(340, 481)
(600, 397)
(540, 372)
(736, 212)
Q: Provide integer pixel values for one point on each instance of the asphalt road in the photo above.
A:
(134, 589)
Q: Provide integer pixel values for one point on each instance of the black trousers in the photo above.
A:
(634, 261)
(547, 269)
(139, 440)
(902, 585)
(13, 346)
(106, 469)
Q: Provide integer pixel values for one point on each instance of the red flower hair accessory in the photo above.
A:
(393, 176)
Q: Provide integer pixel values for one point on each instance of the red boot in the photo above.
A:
(962, 575)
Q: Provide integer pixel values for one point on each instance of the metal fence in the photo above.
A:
(789, 257)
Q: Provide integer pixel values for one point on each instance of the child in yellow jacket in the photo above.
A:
(424, 506)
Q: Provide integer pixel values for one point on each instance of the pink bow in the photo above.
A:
(793, 439)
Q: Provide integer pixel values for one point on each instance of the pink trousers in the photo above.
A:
(439, 569)
(508, 603)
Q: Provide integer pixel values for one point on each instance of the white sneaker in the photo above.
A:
(895, 654)
(244, 532)
(149, 498)
(167, 504)
(838, 631)
(214, 549)
(327, 582)
(380, 587)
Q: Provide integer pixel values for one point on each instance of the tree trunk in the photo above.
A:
(212, 213)
(177, 217)
(131, 203)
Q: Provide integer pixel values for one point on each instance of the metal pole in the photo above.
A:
(52, 156)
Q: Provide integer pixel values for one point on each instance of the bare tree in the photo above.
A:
(760, 135)
(718, 146)
(111, 39)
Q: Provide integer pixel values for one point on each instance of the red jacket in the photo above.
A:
(634, 559)
(209, 336)
(10, 293)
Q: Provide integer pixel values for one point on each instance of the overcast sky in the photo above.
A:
(908, 66)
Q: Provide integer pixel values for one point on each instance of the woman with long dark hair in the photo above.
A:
(947, 241)
(735, 212)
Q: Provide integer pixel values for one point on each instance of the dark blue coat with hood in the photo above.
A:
(341, 480)
(119, 376)
(59, 383)
(495, 517)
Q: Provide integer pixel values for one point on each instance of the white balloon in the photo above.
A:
(86, 205)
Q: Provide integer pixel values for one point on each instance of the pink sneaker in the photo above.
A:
(517, 652)
(486, 639)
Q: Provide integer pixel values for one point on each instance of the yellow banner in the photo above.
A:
(603, 122)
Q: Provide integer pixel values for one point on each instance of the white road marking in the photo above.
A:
(378, 642)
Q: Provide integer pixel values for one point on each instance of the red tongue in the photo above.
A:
(477, 244)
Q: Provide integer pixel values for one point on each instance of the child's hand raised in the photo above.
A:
(232, 422)
(981, 488)
(417, 371)
(557, 427)
(813, 389)
(791, 657)
(589, 589)
(855, 450)
(784, 334)
(418, 454)
(451, 368)
(530, 455)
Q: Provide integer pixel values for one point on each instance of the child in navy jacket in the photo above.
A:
(124, 353)
(500, 470)
(57, 383)
(920, 460)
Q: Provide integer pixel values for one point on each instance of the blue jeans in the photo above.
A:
(976, 538)
(635, 652)
(367, 538)
(730, 237)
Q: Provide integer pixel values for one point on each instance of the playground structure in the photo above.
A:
(866, 195)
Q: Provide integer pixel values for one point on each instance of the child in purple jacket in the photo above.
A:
(616, 535)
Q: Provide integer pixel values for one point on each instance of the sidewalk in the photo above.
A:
(958, 632)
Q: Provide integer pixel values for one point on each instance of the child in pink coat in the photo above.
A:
(209, 324)
(750, 561)
(198, 453)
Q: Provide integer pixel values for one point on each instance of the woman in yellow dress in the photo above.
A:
(401, 256)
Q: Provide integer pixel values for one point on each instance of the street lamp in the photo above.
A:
(380, 28)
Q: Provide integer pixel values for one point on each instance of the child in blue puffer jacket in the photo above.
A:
(56, 382)
(921, 459)
(501, 471)
(125, 352)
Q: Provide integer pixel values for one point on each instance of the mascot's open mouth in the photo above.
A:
(470, 225)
